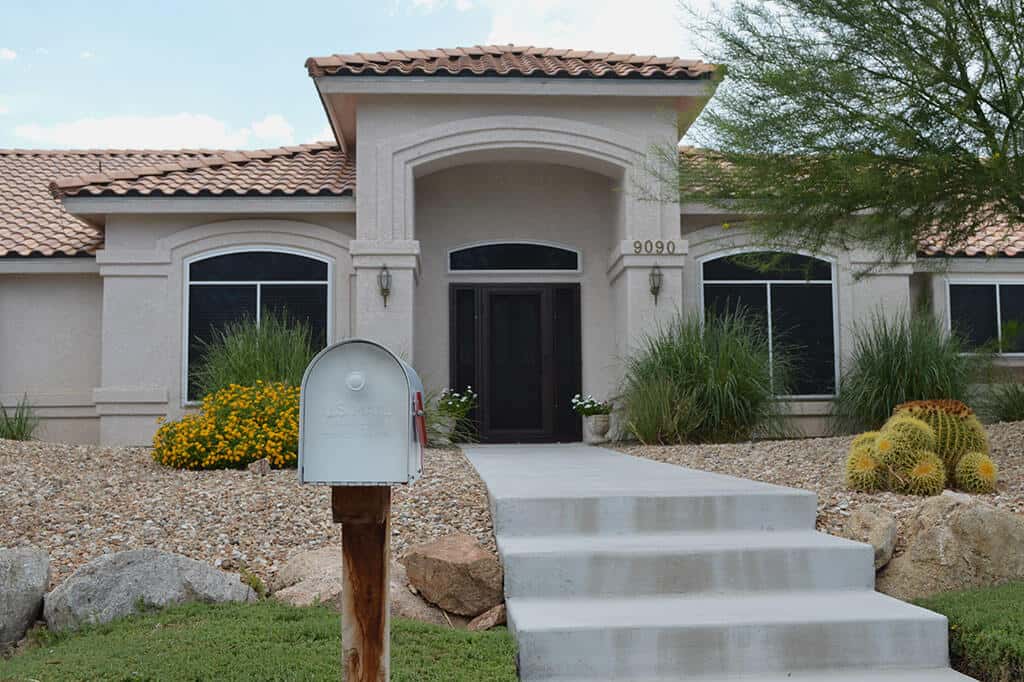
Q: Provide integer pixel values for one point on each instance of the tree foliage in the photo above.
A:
(864, 121)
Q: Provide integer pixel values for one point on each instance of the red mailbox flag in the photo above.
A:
(421, 420)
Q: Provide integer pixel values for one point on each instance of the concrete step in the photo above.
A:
(866, 675)
(682, 563)
(742, 634)
(628, 513)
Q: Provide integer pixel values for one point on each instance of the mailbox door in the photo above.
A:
(355, 418)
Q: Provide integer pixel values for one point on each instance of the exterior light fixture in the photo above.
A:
(384, 283)
(655, 280)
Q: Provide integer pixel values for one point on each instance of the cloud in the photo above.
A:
(4, 110)
(87, 55)
(7, 54)
(159, 132)
(435, 5)
(325, 135)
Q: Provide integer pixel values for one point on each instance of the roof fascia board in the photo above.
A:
(49, 265)
(108, 205)
(511, 85)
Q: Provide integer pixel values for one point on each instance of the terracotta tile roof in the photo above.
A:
(508, 60)
(308, 170)
(34, 222)
(998, 238)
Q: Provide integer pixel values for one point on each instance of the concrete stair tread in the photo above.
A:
(680, 611)
(672, 543)
(865, 675)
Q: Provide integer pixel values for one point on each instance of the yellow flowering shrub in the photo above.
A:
(235, 426)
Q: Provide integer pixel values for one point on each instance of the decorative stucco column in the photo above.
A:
(639, 312)
(392, 323)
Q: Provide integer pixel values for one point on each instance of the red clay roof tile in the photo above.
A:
(508, 60)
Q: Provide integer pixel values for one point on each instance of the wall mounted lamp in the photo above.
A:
(655, 279)
(384, 283)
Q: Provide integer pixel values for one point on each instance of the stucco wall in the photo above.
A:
(142, 268)
(515, 201)
(50, 350)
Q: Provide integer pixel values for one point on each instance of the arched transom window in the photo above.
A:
(523, 256)
(792, 296)
(229, 287)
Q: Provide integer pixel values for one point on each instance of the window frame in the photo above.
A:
(833, 284)
(983, 280)
(514, 272)
(262, 248)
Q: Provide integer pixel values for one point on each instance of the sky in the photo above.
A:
(229, 73)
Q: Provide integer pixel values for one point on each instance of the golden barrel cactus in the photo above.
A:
(900, 441)
(976, 473)
(863, 470)
(957, 429)
(926, 477)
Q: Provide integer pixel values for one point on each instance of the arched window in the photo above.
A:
(792, 296)
(513, 256)
(228, 287)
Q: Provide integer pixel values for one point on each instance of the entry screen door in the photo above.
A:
(519, 347)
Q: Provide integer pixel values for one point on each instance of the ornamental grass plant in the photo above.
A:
(705, 381)
(21, 423)
(901, 358)
(235, 426)
(278, 349)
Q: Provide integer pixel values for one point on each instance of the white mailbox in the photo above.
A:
(360, 417)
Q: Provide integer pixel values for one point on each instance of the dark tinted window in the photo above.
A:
(802, 327)
(514, 257)
(752, 299)
(266, 266)
(972, 310)
(1011, 304)
(766, 265)
(301, 303)
(209, 309)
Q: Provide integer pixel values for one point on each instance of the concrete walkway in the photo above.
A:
(621, 568)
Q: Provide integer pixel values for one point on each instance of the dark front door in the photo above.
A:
(518, 346)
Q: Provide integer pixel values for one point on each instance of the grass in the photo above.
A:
(1002, 402)
(242, 352)
(262, 641)
(901, 358)
(704, 381)
(20, 424)
(986, 630)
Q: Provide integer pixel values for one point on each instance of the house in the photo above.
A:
(480, 212)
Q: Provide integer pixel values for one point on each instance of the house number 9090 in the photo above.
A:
(652, 246)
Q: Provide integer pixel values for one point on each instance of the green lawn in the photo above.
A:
(986, 631)
(264, 641)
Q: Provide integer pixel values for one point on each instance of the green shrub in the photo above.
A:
(986, 631)
(1003, 402)
(708, 381)
(242, 353)
(448, 417)
(21, 424)
(899, 359)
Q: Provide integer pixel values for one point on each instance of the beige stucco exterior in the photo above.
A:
(98, 345)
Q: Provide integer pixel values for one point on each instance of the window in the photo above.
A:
(988, 314)
(234, 286)
(792, 297)
(513, 256)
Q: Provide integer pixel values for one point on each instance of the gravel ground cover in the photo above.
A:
(818, 464)
(79, 502)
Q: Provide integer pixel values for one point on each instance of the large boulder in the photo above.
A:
(954, 541)
(115, 585)
(24, 579)
(457, 574)
(875, 527)
(316, 577)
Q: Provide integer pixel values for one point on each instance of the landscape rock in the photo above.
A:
(877, 528)
(115, 585)
(24, 579)
(260, 467)
(316, 576)
(489, 619)
(457, 574)
(955, 541)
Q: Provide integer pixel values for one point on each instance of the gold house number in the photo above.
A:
(654, 246)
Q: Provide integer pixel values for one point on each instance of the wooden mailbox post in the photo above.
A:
(361, 430)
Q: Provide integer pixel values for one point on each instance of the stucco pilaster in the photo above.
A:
(390, 323)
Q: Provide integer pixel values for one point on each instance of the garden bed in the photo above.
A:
(78, 502)
(819, 465)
